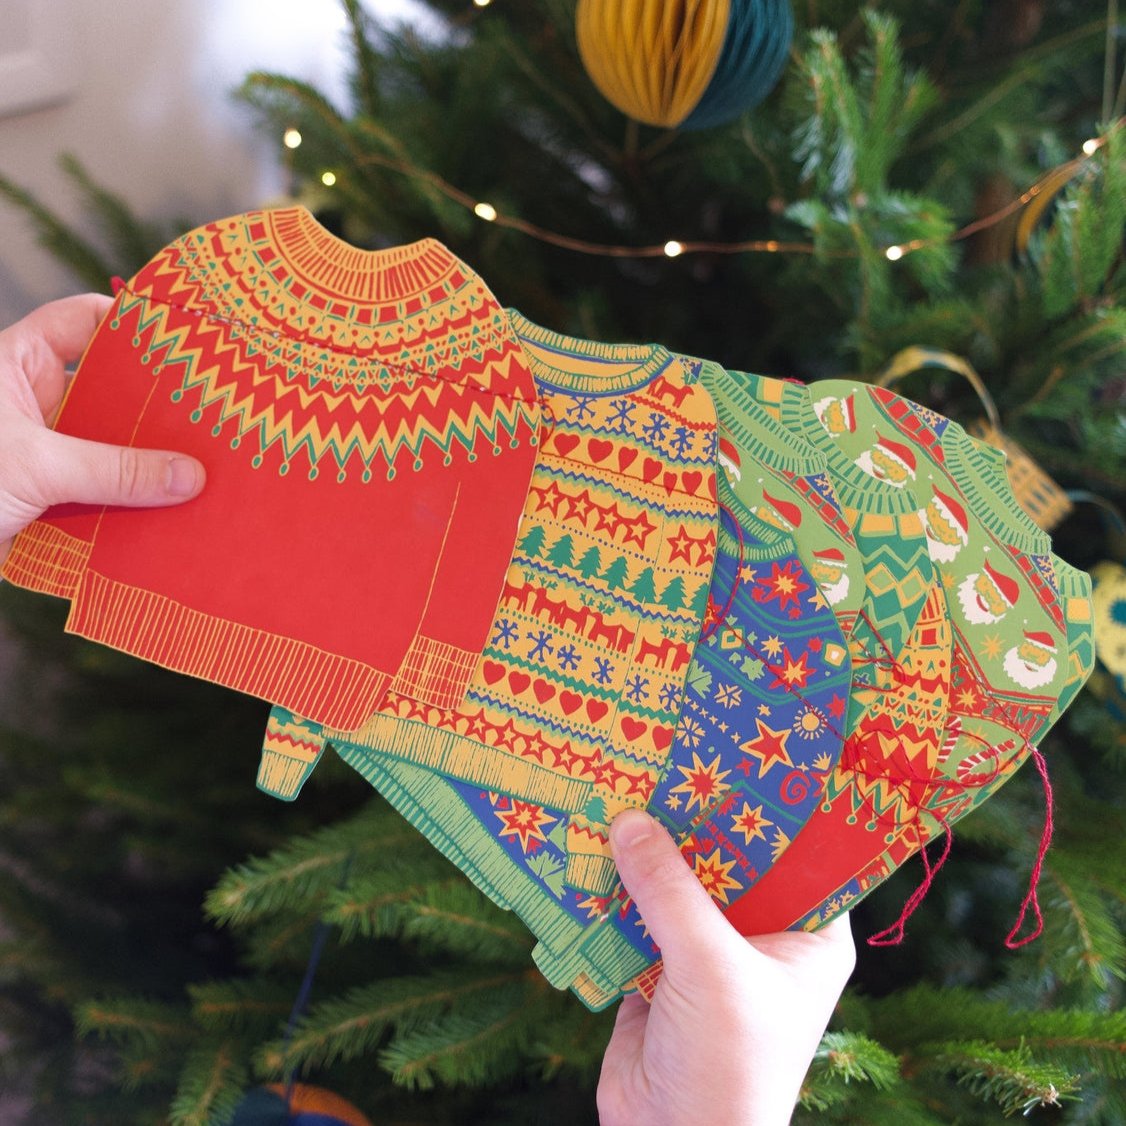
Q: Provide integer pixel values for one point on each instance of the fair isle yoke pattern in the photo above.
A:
(368, 407)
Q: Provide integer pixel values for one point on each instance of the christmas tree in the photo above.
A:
(938, 177)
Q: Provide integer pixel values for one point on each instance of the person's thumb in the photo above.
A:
(679, 913)
(83, 472)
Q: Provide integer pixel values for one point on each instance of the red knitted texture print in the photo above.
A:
(368, 423)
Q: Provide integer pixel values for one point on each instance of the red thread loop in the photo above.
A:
(1030, 898)
(894, 934)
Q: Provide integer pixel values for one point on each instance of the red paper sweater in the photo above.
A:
(368, 424)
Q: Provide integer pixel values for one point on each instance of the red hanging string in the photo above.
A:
(894, 934)
(1030, 898)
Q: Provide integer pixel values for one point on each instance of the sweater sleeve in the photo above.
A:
(291, 749)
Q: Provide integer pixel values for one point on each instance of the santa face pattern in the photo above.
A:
(987, 595)
(993, 562)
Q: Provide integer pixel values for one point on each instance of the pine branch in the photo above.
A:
(365, 59)
(283, 940)
(59, 239)
(569, 1037)
(1011, 1078)
(304, 871)
(911, 1021)
(132, 241)
(354, 1025)
(211, 1086)
(463, 1048)
(150, 1024)
(241, 1005)
(459, 920)
(378, 905)
(1091, 942)
(843, 1059)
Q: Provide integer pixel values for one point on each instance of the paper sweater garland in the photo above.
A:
(808, 629)
(995, 710)
(366, 412)
(900, 652)
(574, 702)
(489, 832)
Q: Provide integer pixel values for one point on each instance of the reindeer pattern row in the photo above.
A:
(595, 626)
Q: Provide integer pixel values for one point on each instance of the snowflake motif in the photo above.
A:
(567, 657)
(541, 645)
(580, 410)
(729, 696)
(669, 696)
(506, 633)
(635, 688)
(681, 442)
(690, 731)
(656, 428)
(711, 445)
(622, 415)
(602, 670)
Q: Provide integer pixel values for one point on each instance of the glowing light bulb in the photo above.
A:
(482, 3)
(485, 211)
(328, 179)
(673, 248)
(291, 138)
(894, 253)
(1091, 146)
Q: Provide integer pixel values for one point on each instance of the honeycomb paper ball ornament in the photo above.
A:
(686, 64)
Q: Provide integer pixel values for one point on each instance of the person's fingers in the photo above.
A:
(679, 913)
(75, 470)
(629, 1026)
(42, 346)
(64, 326)
(622, 1069)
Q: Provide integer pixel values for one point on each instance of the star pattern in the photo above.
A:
(715, 875)
(702, 785)
(750, 823)
(525, 822)
(769, 747)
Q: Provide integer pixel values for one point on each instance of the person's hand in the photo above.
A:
(734, 1021)
(38, 467)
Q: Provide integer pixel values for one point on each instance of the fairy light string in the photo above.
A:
(1051, 181)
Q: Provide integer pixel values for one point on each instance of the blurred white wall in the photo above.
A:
(150, 112)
